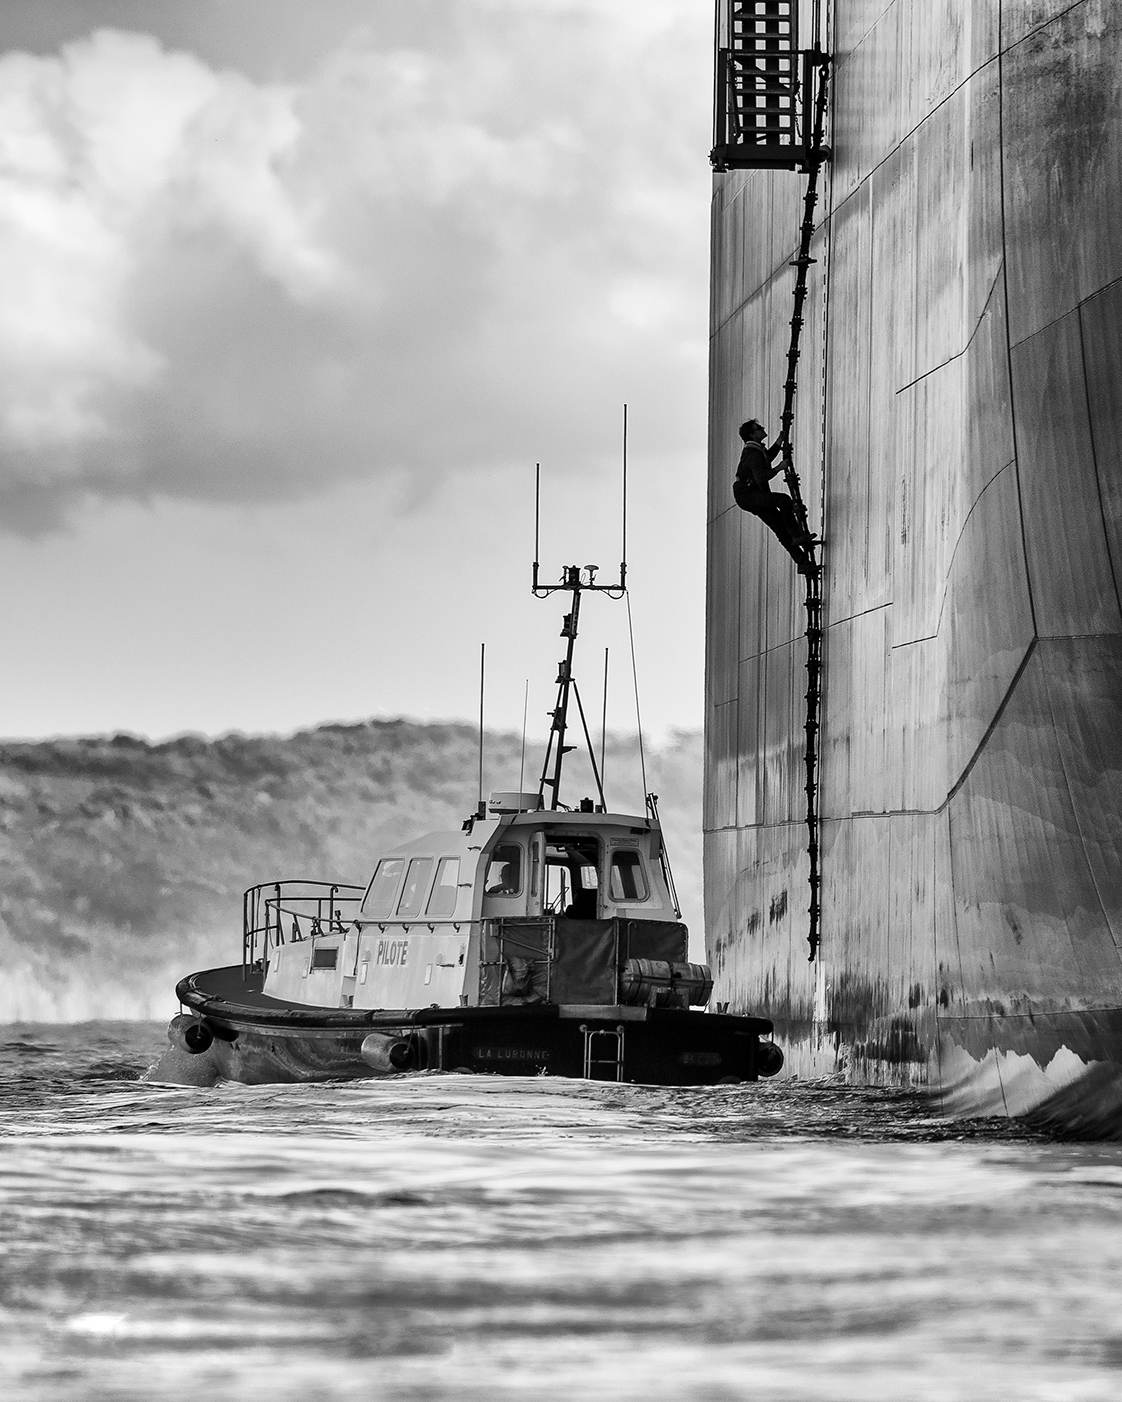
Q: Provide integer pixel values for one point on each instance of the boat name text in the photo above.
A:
(392, 952)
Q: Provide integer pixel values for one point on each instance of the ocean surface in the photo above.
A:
(449, 1236)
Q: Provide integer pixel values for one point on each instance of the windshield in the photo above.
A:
(443, 898)
(379, 898)
(416, 887)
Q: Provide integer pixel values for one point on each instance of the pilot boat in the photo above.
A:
(537, 939)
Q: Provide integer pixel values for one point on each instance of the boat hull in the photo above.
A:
(959, 441)
(260, 1040)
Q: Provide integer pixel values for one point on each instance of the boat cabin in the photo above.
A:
(520, 906)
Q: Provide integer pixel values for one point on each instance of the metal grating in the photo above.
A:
(759, 86)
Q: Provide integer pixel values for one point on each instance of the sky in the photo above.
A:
(293, 296)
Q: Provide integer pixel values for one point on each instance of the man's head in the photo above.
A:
(753, 429)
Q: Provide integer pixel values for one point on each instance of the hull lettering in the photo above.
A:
(392, 952)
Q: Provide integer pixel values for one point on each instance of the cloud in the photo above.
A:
(442, 250)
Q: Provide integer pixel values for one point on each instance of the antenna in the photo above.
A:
(522, 765)
(604, 717)
(623, 547)
(537, 519)
(618, 588)
(577, 580)
(482, 676)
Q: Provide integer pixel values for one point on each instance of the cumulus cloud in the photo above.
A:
(433, 253)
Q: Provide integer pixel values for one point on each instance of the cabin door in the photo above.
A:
(348, 960)
(572, 875)
(535, 890)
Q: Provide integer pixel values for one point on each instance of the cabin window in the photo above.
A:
(416, 884)
(325, 958)
(379, 899)
(628, 882)
(504, 872)
(443, 898)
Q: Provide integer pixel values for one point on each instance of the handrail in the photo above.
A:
(407, 921)
(664, 855)
(504, 931)
(264, 905)
(759, 116)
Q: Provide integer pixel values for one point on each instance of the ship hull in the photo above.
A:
(259, 1040)
(959, 441)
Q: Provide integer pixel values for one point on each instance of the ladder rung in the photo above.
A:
(758, 84)
(755, 100)
(769, 75)
(746, 26)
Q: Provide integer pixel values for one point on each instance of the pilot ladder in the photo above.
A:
(761, 123)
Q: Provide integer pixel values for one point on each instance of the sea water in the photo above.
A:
(468, 1237)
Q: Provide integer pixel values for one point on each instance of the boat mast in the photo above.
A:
(576, 579)
(557, 749)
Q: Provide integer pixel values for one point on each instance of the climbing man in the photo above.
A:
(752, 492)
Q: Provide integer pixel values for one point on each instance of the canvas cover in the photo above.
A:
(584, 962)
(667, 940)
(587, 955)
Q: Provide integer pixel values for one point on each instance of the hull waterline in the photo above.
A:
(257, 1040)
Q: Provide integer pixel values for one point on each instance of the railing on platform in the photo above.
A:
(516, 960)
(761, 85)
(283, 912)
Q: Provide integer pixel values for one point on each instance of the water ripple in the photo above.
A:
(454, 1237)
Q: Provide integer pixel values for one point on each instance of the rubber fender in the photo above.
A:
(769, 1059)
(189, 1034)
(386, 1053)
